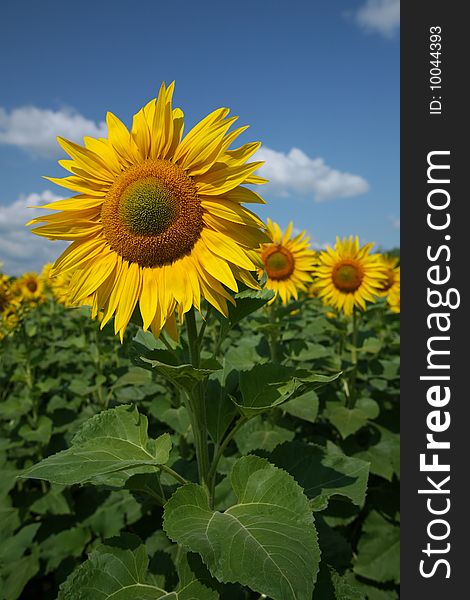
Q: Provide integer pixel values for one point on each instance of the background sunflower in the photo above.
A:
(287, 262)
(347, 275)
(392, 284)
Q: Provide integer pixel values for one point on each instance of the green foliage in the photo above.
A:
(266, 540)
(378, 555)
(98, 460)
(114, 441)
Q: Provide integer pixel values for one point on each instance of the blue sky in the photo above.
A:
(317, 81)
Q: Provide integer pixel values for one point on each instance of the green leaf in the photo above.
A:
(371, 345)
(176, 418)
(220, 410)
(185, 377)
(15, 407)
(349, 420)
(248, 302)
(384, 454)
(258, 434)
(264, 387)
(15, 546)
(335, 549)
(59, 546)
(194, 580)
(323, 472)
(117, 570)
(303, 407)
(378, 552)
(267, 541)
(118, 510)
(53, 502)
(134, 376)
(310, 352)
(113, 441)
(240, 358)
(41, 432)
(15, 575)
(268, 385)
(373, 593)
(332, 586)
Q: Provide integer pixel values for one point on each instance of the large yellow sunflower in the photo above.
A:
(287, 262)
(348, 276)
(158, 219)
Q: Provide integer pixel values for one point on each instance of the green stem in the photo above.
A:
(192, 337)
(273, 335)
(197, 409)
(173, 473)
(352, 389)
(168, 346)
(220, 450)
(203, 326)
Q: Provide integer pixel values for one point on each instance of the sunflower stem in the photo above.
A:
(273, 334)
(173, 473)
(220, 450)
(192, 338)
(352, 387)
(197, 403)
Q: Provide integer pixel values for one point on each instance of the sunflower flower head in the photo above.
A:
(58, 285)
(348, 275)
(287, 262)
(29, 288)
(392, 283)
(158, 220)
(9, 304)
(393, 299)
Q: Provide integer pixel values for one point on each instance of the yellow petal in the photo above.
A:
(225, 248)
(148, 298)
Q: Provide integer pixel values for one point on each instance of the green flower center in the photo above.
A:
(347, 277)
(152, 214)
(277, 261)
(147, 207)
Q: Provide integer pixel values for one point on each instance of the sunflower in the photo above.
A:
(6, 296)
(9, 304)
(29, 288)
(392, 283)
(287, 262)
(393, 299)
(158, 220)
(348, 275)
(58, 284)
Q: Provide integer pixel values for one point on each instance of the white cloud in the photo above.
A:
(295, 173)
(21, 250)
(35, 129)
(380, 16)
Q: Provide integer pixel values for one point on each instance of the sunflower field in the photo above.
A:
(195, 404)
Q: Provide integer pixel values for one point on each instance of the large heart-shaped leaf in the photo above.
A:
(115, 440)
(266, 541)
(118, 570)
